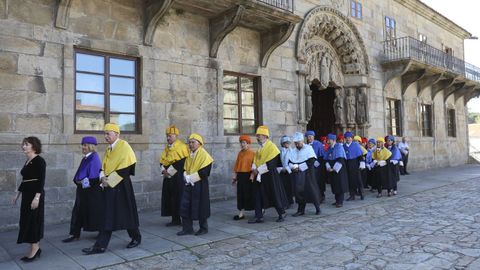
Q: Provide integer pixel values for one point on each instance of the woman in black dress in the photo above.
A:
(32, 206)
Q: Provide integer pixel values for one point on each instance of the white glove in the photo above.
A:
(401, 163)
(188, 179)
(316, 164)
(382, 163)
(394, 162)
(85, 183)
(362, 165)
(303, 167)
(327, 165)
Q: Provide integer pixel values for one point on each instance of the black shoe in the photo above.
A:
(37, 254)
(70, 239)
(134, 243)
(318, 212)
(255, 220)
(407, 173)
(297, 214)
(338, 205)
(379, 195)
(93, 250)
(201, 232)
(351, 198)
(362, 197)
(335, 203)
(180, 233)
(237, 217)
(281, 218)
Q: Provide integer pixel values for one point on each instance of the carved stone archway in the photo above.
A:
(331, 53)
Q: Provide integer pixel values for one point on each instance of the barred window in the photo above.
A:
(106, 90)
(426, 112)
(451, 123)
(393, 116)
(241, 103)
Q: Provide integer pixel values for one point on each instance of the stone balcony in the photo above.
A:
(416, 61)
(274, 19)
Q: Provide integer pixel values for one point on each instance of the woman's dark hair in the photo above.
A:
(35, 142)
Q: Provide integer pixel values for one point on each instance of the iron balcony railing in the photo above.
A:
(410, 48)
(287, 5)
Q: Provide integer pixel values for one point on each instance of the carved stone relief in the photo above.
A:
(350, 102)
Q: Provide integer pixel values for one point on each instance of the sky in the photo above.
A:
(466, 14)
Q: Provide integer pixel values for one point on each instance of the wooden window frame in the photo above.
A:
(397, 119)
(257, 101)
(106, 92)
(427, 113)
(451, 123)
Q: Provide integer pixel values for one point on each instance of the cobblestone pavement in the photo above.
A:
(432, 224)
(435, 229)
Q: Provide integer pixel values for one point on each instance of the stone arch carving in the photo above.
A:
(331, 53)
(330, 25)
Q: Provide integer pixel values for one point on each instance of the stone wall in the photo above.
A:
(180, 84)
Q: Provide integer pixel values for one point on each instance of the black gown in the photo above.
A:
(338, 181)
(245, 192)
(88, 208)
(196, 199)
(306, 185)
(322, 175)
(287, 186)
(32, 221)
(354, 176)
(271, 187)
(172, 190)
(383, 178)
(120, 205)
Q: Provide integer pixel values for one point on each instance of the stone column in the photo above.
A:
(302, 83)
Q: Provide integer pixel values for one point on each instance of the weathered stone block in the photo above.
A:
(31, 12)
(8, 180)
(34, 124)
(20, 45)
(8, 62)
(56, 177)
(39, 66)
(5, 122)
(12, 160)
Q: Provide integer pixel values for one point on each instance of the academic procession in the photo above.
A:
(288, 176)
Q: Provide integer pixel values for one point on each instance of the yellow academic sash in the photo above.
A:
(383, 154)
(170, 155)
(265, 153)
(200, 160)
(119, 158)
(364, 151)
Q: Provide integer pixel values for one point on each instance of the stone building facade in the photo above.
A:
(221, 68)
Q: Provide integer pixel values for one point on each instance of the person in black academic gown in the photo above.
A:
(269, 190)
(33, 198)
(172, 162)
(87, 211)
(120, 207)
(355, 162)
(195, 203)
(336, 167)
(301, 162)
(381, 158)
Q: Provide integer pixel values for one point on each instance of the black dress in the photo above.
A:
(287, 185)
(172, 190)
(338, 181)
(32, 221)
(245, 192)
(120, 205)
(196, 199)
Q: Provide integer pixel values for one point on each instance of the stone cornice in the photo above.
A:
(429, 13)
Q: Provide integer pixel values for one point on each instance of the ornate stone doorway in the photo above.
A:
(333, 60)
(323, 116)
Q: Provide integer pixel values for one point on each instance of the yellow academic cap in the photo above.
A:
(263, 130)
(112, 127)
(196, 136)
(172, 130)
(357, 138)
(381, 139)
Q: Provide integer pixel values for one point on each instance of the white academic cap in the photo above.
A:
(297, 137)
